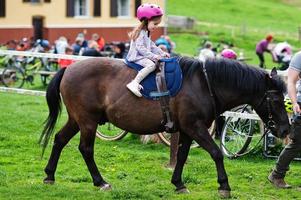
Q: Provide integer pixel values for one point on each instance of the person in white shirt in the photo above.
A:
(206, 52)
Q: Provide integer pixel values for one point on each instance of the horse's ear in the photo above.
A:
(268, 79)
(273, 72)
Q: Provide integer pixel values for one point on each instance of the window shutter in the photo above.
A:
(2, 8)
(70, 8)
(97, 8)
(114, 9)
(47, 1)
(137, 4)
(26, 1)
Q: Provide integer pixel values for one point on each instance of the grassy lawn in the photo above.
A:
(135, 171)
(240, 22)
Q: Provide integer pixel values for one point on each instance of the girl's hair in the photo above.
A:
(134, 34)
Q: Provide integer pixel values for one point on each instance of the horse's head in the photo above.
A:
(270, 107)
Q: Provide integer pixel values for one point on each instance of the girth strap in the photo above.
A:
(164, 99)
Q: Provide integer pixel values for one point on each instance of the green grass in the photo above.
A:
(240, 22)
(135, 171)
(263, 15)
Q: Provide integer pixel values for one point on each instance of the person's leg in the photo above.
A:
(148, 67)
(287, 155)
(261, 60)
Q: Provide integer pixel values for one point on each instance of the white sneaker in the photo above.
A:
(134, 87)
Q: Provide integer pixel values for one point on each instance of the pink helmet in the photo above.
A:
(229, 53)
(148, 11)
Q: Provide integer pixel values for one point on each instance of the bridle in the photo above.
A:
(270, 124)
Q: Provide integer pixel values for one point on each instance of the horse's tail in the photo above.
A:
(54, 105)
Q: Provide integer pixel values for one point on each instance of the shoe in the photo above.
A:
(278, 182)
(134, 87)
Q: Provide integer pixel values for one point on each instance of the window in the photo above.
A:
(97, 8)
(2, 8)
(123, 8)
(120, 8)
(36, 1)
(81, 8)
(31, 1)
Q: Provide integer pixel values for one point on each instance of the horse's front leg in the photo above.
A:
(183, 150)
(200, 134)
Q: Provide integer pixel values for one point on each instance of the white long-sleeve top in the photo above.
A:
(143, 47)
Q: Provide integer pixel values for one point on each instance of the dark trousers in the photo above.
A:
(290, 151)
(261, 60)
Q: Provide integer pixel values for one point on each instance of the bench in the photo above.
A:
(46, 73)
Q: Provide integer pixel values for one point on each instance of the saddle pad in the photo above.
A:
(173, 77)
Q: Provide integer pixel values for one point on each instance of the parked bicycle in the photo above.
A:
(243, 133)
(239, 131)
(23, 70)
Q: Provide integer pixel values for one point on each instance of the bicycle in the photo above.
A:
(24, 70)
(238, 132)
(242, 134)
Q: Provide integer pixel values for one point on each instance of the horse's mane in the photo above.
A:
(230, 73)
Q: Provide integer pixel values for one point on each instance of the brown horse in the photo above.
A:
(94, 92)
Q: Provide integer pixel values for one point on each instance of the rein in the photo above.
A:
(210, 90)
(270, 123)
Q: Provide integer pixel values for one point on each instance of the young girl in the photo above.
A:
(143, 51)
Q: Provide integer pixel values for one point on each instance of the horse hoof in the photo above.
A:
(106, 187)
(183, 190)
(224, 194)
(49, 182)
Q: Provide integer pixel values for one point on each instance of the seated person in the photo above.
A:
(63, 63)
(119, 50)
(206, 52)
(91, 50)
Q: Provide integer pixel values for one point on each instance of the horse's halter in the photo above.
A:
(270, 123)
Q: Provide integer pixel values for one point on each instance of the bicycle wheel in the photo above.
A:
(237, 134)
(13, 77)
(212, 129)
(165, 138)
(109, 132)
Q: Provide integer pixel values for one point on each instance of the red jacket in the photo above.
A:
(65, 62)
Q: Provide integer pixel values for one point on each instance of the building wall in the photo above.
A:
(18, 21)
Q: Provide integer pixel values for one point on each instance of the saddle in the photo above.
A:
(163, 83)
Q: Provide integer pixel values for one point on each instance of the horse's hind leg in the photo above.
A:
(86, 147)
(60, 141)
(183, 150)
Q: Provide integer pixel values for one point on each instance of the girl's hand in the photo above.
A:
(167, 55)
(157, 58)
